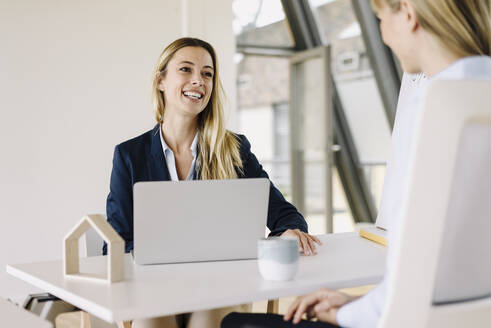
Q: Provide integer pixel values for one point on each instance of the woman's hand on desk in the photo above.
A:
(306, 242)
(322, 304)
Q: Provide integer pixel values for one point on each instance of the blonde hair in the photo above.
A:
(219, 149)
(461, 26)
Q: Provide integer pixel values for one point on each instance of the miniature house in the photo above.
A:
(115, 250)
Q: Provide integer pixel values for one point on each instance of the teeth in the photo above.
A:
(192, 94)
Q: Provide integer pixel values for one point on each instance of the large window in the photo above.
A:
(264, 46)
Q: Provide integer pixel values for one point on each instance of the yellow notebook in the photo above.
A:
(375, 234)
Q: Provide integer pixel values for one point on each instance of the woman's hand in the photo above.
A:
(306, 242)
(322, 304)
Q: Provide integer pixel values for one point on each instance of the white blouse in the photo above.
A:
(170, 159)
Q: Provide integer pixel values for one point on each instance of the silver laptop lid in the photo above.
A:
(202, 220)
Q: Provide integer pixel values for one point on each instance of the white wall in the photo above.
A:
(74, 81)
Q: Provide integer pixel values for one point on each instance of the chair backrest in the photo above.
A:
(441, 273)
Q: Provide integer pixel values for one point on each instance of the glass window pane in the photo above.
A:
(263, 94)
(357, 87)
(266, 15)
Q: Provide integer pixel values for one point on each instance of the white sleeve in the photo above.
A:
(365, 311)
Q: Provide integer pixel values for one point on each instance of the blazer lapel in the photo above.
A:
(158, 170)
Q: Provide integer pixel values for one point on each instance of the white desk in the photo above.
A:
(13, 316)
(345, 260)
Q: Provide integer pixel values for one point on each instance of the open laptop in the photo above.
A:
(201, 220)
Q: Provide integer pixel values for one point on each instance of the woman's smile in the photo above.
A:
(194, 96)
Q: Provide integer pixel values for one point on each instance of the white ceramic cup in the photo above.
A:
(278, 258)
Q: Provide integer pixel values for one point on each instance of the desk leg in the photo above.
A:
(84, 320)
(273, 306)
(124, 324)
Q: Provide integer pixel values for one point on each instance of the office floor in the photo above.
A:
(76, 319)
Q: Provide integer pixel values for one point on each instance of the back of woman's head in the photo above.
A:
(461, 26)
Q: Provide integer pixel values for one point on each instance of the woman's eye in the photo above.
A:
(185, 69)
(208, 74)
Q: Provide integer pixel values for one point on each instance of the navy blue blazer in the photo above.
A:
(142, 159)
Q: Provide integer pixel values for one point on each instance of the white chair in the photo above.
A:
(441, 275)
(14, 316)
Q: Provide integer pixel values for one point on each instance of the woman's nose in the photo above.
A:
(197, 81)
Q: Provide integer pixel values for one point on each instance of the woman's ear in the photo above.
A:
(409, 13)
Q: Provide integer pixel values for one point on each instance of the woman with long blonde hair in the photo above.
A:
(190, 142)
(442, 39)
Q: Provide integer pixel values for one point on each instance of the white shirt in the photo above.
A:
(366, 311)
(171, 160)
(398, 159)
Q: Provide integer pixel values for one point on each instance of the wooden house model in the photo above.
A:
(115, 250)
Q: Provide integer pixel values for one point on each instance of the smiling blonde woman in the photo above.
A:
(219, 156)
(190, 142)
